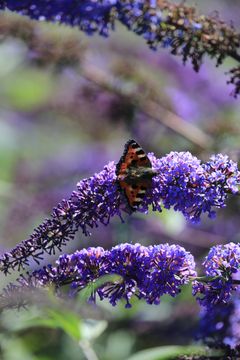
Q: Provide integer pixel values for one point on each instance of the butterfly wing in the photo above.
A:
(134, 193)
(133, 157)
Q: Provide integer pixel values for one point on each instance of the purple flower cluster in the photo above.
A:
(146, 272)
(159, 22)
(221, 325)
(182, 183)
(91, 16)
(214, 324)
(193, 188)
(88, 15)
(95, 200)
(170, 267)
(221, 264)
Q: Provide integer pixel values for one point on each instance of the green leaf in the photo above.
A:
(168, 352)
(86, 293)
(66, 320)
(14, 349)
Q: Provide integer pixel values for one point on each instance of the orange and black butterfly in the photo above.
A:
(134, 173)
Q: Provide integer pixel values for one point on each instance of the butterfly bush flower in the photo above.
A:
(221, 264)
(191, 187)
(132, 263)
(144, 272)
(160, 22)
(181, 183)
(90, 16)
(171, 267)
(220, 326)
(214, 324)
(79, 269)
(95, 201)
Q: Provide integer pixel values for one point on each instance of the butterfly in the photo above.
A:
(134, 174)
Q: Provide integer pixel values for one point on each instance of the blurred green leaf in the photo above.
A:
(114, 348)
(14, 349)
(30, 88)
(168, 352)
(66, 320)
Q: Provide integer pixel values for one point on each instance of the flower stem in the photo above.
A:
(88, 350)
(204, 278)
(207, 279)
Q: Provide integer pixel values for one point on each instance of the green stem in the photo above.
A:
(88, 350)
(204, 278)
(207, 279)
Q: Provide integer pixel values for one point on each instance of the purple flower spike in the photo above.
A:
(222, 262)
(161, 23)
(170, 268)
(181, 183)
(90, 16)
(95, 200)
(144, 272)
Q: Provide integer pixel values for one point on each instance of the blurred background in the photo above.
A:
(68, 104)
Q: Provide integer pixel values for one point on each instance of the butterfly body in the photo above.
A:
(134, 174)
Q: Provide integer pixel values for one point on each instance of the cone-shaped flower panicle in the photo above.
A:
(181, 182)
(144, 272)
(160, 22)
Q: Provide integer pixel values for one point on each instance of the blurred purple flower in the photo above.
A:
(220, 326)
(214, 324)
(182, 183)
(184, 104)
(209, 89)
(221, 263)
(89, 15)
(232, 337)
(177, 27)
(146, 272)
